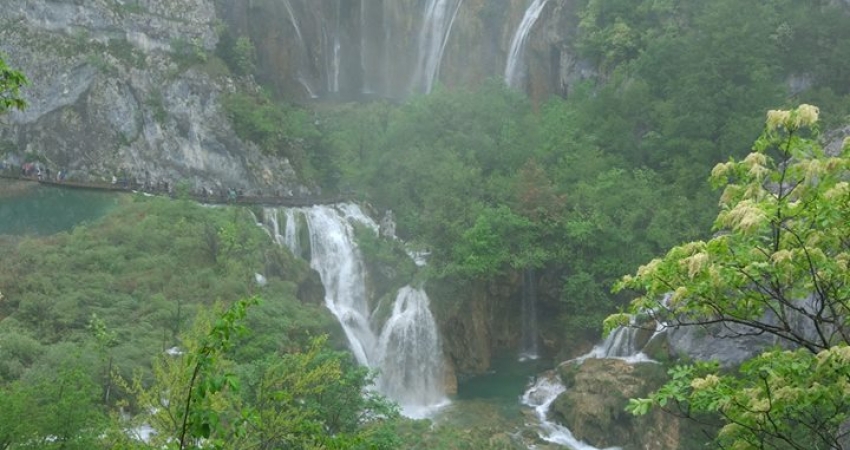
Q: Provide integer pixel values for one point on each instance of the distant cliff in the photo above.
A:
(127, 87)
(133, 87)
(352, 49)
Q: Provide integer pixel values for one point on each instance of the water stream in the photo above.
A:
(406, 349)
(515, 69)
(302, 50)
(436, 28)
(621, 343)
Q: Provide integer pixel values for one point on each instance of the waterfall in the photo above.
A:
(411, 357)
(337, 259)
(436, 28)
(333, 58)
(407, 352)
(621, 343)
(302, 47)
(539, 397)
(514, 69)
(529, 349)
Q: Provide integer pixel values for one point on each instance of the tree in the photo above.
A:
(776, 266)
(316, 398)
(11, 82)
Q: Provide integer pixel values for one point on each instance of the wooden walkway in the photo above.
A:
(247, 200)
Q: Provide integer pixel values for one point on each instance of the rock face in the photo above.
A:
(352, 49)
(476, 321)
(593, 406)
(129, 88)
(119, 88)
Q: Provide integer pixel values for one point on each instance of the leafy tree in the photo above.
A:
(777, 265)
(315, 398)
(11, 82)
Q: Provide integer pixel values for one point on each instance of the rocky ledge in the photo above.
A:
(128, 88)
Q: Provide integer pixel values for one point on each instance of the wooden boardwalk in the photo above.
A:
(247, 200)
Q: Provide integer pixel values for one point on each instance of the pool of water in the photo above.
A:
(496, 393)
(27, 208)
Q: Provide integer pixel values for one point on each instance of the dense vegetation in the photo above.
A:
(778, 266)
(587, 187)
(581, 189)
(91, 308)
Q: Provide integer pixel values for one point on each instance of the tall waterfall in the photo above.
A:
(303, 55)
(436, 28)
(337, 259)
(514, 69)
(333, 60)
(407, 351)
(529, 349)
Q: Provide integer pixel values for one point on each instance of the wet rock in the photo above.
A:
(593, 407)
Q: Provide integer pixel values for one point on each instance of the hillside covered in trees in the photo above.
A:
(515, 198)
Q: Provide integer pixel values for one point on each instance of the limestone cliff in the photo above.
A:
(132, 87)
(352, 49)
(127, 88)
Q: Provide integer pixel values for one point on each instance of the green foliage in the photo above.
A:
(150, 259)
(315, 398)
(11, 82)
(200, 419)
(778, 264)
(277, 128)
(387, 262)
(239, 53)
(187, 52)
(490, 186)
(56, 406)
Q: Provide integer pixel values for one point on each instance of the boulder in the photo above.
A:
(593, 406)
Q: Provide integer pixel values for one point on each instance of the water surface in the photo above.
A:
(28, 208)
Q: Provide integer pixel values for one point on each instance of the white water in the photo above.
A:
(407, 352)
(337, 259)
(436, 28)
(539, 397)
(514, 69)
(411, 356)
(333, 58)
(620, 344)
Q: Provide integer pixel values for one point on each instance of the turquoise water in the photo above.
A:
(30, 208)
(493, 399)
(507, 380)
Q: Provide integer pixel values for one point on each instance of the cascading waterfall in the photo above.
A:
(514, 69)
(539, 397)
(407, 351)
(411, 357)
(436, 28)
(621, 343)
(529, 349)
(337, 259)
